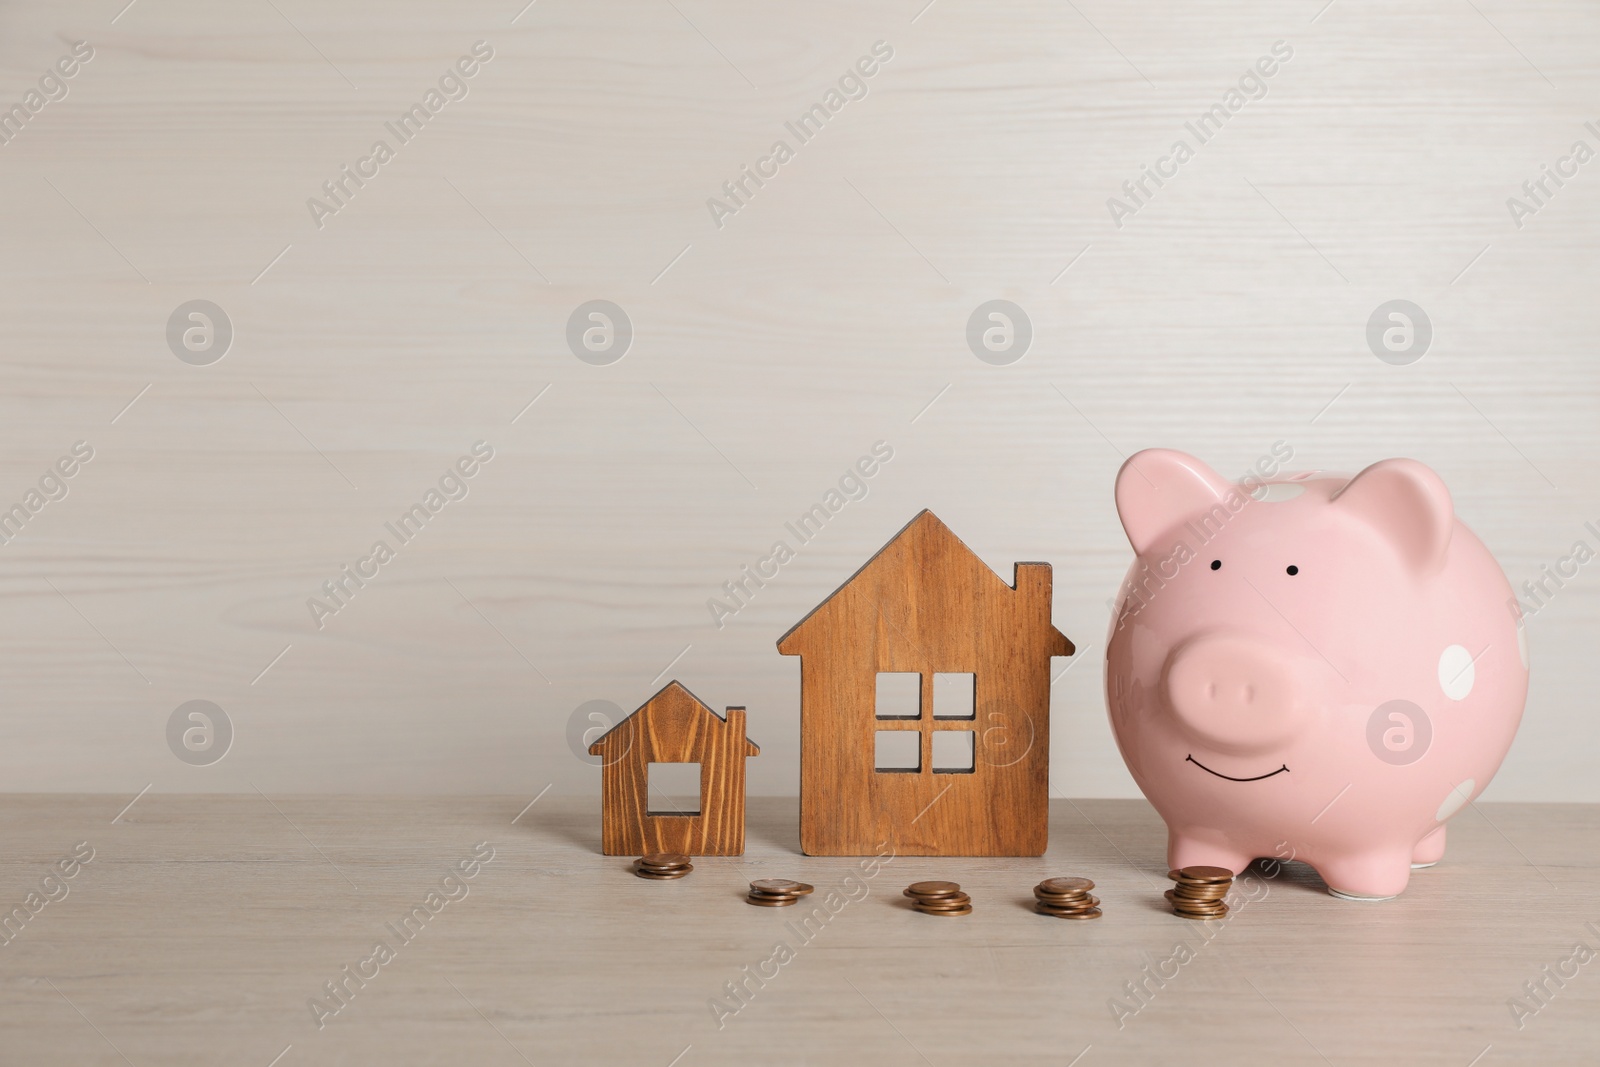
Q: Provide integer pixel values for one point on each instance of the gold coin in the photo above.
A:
(1065, 885)
(1207, 874)
(1197, 902)
(659, 877)
(664, 859)
(1086, 913)
(770, 902)
(933, 889)
(1063, 896)
(944, 905)
(1190, 893)
(965, 909)
(781, 885)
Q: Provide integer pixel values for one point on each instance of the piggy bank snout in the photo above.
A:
(1233, 693)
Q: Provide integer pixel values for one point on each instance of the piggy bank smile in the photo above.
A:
(1281, 770)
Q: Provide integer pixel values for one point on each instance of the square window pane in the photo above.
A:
(953, 751)
(953, 696)
(899, 695)
(898, 751)
(674, 788)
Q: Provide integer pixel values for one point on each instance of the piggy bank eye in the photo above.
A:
(1216, 564)
(1293, 570)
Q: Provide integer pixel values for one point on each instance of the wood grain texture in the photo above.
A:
(673, 727)
(926, 604)
(769, 353)
(204, 925)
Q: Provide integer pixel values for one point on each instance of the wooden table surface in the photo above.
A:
(203, 926)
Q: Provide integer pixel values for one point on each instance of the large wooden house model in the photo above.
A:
(925, 704)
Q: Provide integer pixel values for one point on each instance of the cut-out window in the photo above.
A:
(953, 696)
(953, 751)
(899, 695)
(674, 788)
(898, 751)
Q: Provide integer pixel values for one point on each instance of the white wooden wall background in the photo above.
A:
(769, 354)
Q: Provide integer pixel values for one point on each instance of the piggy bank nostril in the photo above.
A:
(1211, 690)
(1249, 693)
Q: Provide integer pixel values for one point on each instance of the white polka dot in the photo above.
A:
(1454, 799)
(1456, 672)
(1276, 492)
(1522, 642)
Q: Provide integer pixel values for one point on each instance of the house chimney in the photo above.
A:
(1033, 585)
(736, 722)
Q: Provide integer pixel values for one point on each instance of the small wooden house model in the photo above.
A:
(960, 765)
(673, 727)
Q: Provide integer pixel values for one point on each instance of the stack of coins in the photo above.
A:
(1199, 892)
(661, 865)
(939, 898)
(1066, 898)
(777, 892)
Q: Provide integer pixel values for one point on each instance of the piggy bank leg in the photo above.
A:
(1184, 851)
(1378, 875)
(1429, 850)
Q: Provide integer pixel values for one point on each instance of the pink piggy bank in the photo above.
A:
(1309, 666)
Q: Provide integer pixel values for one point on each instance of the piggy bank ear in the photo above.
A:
(1406, 502)
(1158, 488)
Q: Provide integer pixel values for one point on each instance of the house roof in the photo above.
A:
(673, 693)
(925, 528)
